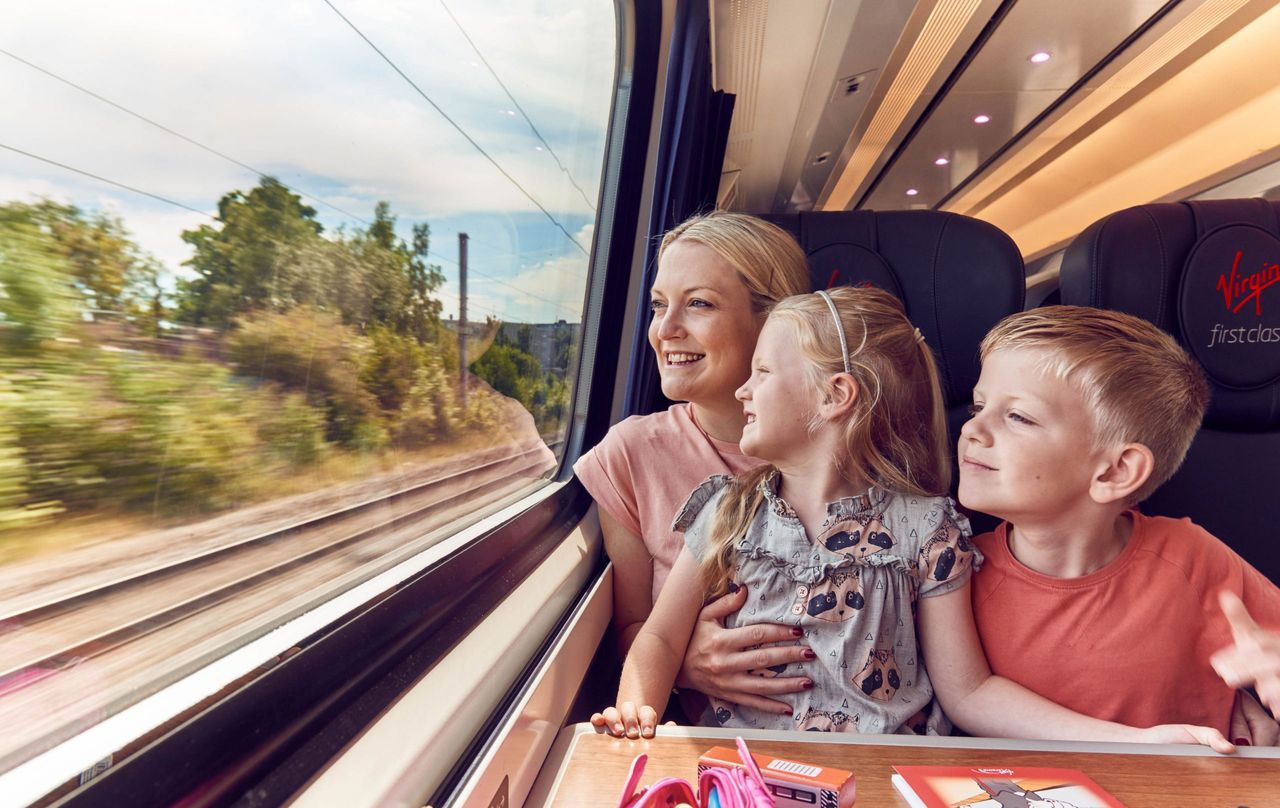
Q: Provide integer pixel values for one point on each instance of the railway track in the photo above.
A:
(110, 633)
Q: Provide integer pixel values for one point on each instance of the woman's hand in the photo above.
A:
(627, 720)
(1186, 733)
(1251, 724)
(718, 659)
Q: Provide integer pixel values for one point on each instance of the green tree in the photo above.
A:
(246, 264)
(37, 299)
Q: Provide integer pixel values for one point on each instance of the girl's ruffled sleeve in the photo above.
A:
(697, 516)
(948, 556)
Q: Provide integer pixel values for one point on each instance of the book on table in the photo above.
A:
(999, 787)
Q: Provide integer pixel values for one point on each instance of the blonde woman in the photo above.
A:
(718, 275)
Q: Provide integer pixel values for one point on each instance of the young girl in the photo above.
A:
(846, 537)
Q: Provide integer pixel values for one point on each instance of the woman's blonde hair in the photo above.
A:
(765, 256)
(895, 435)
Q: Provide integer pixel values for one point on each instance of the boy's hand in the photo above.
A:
(626, 720)
(1187, 733)
(1254, 659)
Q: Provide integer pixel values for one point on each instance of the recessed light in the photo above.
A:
(981, 119)
(912, 192)
(941, 161)
(1040, 57)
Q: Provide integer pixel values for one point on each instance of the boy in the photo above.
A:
(1078, 415)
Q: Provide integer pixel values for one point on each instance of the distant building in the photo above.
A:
(549, 343)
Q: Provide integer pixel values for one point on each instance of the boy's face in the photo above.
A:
(1027, 451)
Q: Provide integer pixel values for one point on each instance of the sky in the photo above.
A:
(288, 88)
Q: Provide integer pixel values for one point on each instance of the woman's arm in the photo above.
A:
(632, 579)
(987, 705)
(650, 668)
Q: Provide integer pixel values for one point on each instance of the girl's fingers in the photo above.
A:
(648, 721)
(611, 722)
(630, 719)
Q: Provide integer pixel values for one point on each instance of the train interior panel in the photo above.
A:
(307, 311)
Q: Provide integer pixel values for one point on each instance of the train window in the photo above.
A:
(288, 292)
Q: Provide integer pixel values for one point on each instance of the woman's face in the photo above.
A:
(703, 330)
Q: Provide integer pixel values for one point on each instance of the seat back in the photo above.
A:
(956, 278)
(1202, 271)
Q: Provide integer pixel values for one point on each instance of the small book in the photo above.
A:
(999, 787)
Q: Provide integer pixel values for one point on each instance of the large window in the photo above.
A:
(240, 367)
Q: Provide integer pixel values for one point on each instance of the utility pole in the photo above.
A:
(462, 315)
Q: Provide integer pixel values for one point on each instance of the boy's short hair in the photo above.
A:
(1139, 384)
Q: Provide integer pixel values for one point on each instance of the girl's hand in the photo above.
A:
(1254, 658)
(1187, 733)
(626, 720)
(718, 659)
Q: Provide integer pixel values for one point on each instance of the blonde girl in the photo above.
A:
(845, 535)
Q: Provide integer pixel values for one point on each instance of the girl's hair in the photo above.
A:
(895, 435)
(765, 256)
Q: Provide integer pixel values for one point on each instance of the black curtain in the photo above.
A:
(695, 132)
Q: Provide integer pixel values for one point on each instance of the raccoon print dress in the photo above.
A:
(852, 590)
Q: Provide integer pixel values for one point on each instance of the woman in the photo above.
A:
(718, 274)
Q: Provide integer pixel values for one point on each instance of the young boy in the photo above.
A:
(1078, 415)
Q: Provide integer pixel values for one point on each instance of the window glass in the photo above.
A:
(240, 369)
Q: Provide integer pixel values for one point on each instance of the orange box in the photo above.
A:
(794, 784)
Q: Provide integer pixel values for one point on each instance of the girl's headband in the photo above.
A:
(835, 315)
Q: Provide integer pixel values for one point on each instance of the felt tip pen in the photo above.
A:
(713, 799)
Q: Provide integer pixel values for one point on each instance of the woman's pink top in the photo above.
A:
(645, 469)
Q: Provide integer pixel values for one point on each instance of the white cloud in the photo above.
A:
(291, 90)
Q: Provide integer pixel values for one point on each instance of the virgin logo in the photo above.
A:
(1238, 290)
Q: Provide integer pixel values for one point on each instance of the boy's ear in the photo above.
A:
(1127, 469)
(842, 393)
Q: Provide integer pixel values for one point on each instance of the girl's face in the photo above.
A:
(777, 399)
(703, 329)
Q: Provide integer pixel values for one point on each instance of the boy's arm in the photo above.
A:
(987, 705)
(651, 666)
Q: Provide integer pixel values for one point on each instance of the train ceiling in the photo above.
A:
(1039, 116)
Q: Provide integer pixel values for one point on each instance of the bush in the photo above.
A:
(313, 353)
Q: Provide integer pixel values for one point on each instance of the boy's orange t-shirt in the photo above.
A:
(1130, 642)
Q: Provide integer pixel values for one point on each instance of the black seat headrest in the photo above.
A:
(1201, 271)
(955, 276)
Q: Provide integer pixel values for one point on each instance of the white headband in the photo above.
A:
(835, 315)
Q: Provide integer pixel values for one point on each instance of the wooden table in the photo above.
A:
(589, 769)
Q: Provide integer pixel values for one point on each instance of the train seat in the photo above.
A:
(1202, 271)
(956, 277)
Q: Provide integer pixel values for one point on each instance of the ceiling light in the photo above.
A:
(941, 161)
(1040, 57)
(981, 119)
(912, 192)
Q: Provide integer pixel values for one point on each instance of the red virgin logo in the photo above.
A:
(1238, 290)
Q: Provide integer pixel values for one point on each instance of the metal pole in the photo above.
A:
(462, 316)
